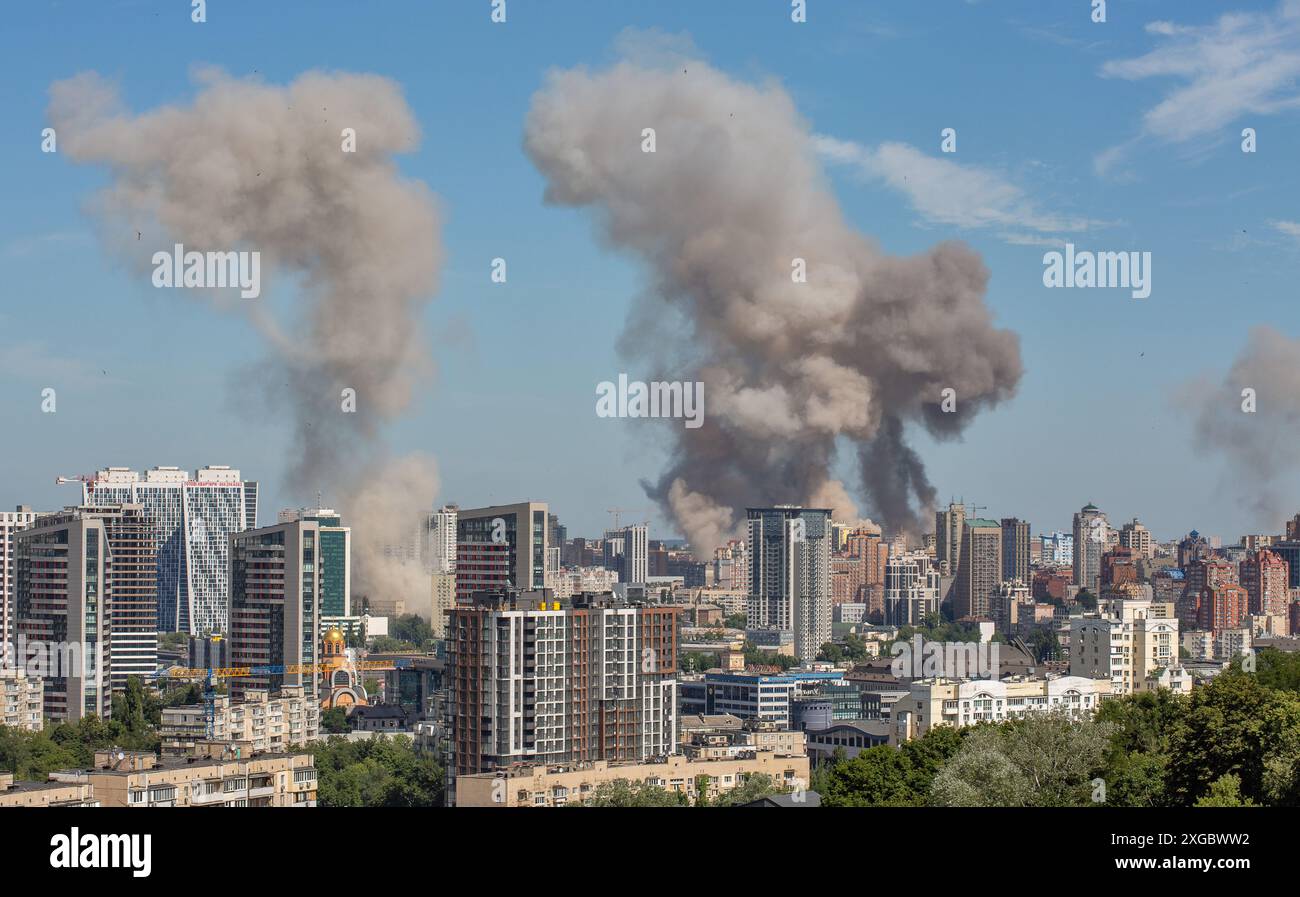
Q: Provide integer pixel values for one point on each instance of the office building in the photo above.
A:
(789, 577)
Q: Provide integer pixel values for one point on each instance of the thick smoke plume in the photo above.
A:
(255, 167)
(730, 198)
(1259, 444)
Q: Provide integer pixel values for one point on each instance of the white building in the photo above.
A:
(1091, 535)
(634, 565)
(10, 523)
(948, 702)
(439, 548)
(1131, 647)
(193, 519)
(911, 588)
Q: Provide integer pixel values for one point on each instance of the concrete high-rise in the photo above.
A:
(335, 558)
(193, 518)
(70, 567)
(1136, 537)
(440, 540)
(911, 589)
(1015, 549)
(578, 680)
(790, 571)
(275, 588)
(500, 547)
(10, 523)
(948, 538)
(1091, 532)
(634, 563)
(979, 570)
(1266, 576)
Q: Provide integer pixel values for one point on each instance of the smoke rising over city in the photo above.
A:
(1256, 433)
(729, 204)
(255, 167)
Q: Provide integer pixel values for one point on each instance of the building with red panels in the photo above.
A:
(1265, 576)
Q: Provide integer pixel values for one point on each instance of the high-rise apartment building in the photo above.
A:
(1057, 549)
(1091, 533)
(1265, 576)
(193, 518)
(948, 537)
(540, 680)
(979, 569)
(911, 589)
(1132, 645)
(1015, 549)
(335, 558)
(70, 565)
(440, 540)
(275, 589)
(633, 564)
(500, 547)
(10, 523)
(1137, 538)
(790, 572)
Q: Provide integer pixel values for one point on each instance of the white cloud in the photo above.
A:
(1242, 64)
(946, 192)
(1290, 228)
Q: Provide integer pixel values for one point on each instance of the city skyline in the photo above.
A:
(1050, 174)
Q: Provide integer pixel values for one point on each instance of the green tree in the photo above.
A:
(335, 721)
(1225, 791)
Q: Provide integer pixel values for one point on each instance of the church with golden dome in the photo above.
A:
(342, 684)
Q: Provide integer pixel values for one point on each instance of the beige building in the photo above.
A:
(140, 779)
(947, 702)
(443, 598)
(258, 724)
(44, 794)
(1135, 645)
(21, 701)
(553, 786)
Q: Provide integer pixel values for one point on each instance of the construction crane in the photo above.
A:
(210, 675)
(87, 481)
(619, 511)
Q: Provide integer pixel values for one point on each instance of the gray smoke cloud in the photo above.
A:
(730, 197)
(1260, 443)
(353, 245)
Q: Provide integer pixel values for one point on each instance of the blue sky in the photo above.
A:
(1115, 136)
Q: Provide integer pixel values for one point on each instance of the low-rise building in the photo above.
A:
(552, 786)
(44, 794)
(22, 700)
(949, 702)
(260, 722)
(216, 776)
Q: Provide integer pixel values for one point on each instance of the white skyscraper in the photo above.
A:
(911, 588)
(1091, 533)
(193, 519)
(634, 564)
(439, 547)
